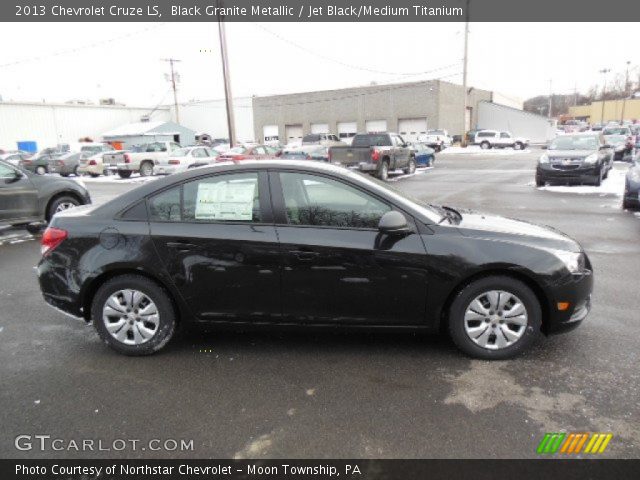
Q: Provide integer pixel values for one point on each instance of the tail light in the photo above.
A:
(174, 162)
(239, 157)
(93, 162)
(51, 238)
(127, 158)
(375, 155)
(329, 155)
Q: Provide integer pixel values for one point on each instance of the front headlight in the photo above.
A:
(593, 158)
(544, 158)
(572, 260)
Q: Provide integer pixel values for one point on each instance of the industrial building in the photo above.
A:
(125, 136)
(407, 108)
(617, 110)
(535, 128)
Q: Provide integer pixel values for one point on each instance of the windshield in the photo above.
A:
(181, 152)
(616, 131)
(574, 142)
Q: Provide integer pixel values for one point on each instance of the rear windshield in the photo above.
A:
(371, 140)
(616, 131)
(311, 138)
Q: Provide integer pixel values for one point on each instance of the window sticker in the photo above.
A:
(225, 201)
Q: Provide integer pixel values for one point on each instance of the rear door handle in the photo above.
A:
(181, 245)
(305, 254)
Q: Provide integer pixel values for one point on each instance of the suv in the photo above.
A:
(493, 138)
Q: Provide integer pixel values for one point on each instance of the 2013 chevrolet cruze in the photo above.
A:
(285, 242)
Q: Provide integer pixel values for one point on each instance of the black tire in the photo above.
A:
(485, 145)
(598, 180)
(124, 173)
(146, 168)
(540, 182)
(94, 175)
(532, 332)
(160, 297)
(626, 204)
(41, 170)
(383, 170)
(411, 167)
(518, 146)
(606, 174)
(65, 175)
(59, 201)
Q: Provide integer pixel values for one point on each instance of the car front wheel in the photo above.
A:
(133, 315)
(496, 317)
(124, 173)
(60, 204)
(40, 170)
(485, 145)
(383, 173)
(411, 167)
(146, 169)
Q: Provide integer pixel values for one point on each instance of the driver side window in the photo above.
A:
(6, 172)
(320, 201)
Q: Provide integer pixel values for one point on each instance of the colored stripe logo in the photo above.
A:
(574, 443)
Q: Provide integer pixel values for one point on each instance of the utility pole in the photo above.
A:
(174, 85)
(627, 94)
(463, 140)
(226, 78)
(550, 98)
(604, 72)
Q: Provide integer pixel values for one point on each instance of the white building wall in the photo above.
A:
(50, 124)
(210, 116)
(536, 128)
(507, 100)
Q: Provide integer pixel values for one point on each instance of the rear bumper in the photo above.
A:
(575, 290)
(59, 294)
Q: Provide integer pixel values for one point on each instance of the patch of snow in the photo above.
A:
(311, 392)
(134, 179)
(476, 150)
(37, 402)
(613, 185)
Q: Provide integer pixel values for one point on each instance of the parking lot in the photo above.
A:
(326, 394)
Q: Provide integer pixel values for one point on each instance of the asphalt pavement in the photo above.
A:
(328, 394)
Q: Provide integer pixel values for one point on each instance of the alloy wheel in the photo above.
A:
(495, 319)
(131, 317)
(64, 206)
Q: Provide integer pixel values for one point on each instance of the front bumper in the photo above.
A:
(578, 175)
(576, 290)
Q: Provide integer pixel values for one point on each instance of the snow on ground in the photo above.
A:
(134, 179)
(476, 150)
(396, 175)
(613, 185)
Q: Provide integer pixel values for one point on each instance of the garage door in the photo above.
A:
(293, 133)
(410, 128)
(319, 128)
(347, 130)
(376, 126)
(270, 133)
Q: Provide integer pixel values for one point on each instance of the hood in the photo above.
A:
(505, 229)
(569, 153)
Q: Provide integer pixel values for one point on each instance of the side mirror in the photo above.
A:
(13, 178)
(544, 147)
(393, 223)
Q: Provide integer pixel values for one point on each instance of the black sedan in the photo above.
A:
(307, 243)
(575, 158)
(27, 198)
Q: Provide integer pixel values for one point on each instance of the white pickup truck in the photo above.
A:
(139, 158)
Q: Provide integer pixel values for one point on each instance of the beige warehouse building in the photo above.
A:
(617, 110)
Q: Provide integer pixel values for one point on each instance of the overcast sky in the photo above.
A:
(63, 61)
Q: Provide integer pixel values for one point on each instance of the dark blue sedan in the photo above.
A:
(425, 155)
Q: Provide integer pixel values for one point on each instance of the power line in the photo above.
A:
(349, 65)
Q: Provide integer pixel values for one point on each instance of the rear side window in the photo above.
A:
(372, 140)
(165, 207)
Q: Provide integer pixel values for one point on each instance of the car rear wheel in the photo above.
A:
(383, 172)
(496, 317)
(124, 173)
(411, 167)
(40, 170)
(61, 204)
(133, 315)
(485, 145)
(146, 169)
(518, 146)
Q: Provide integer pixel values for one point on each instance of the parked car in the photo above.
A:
(93, 165)
(309, 243)
(375, 153)
(39, 163)
(139, 158)
(425, 155)
(436, 139)
(575, 158)
(495, 139)
(28, 198)
(184, 159)
(14, 157)
(616, 130)
(66, 164)
(248, 152)
(307, 152)
(324, 139)
(631, 197)
(621, 145)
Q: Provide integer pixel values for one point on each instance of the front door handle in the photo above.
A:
(305, 254)
(181, 246)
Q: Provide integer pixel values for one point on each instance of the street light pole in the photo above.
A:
(226, 78)
(174, 86)
(627, 94)
(604, 72)
(550, 98)
(463, 140)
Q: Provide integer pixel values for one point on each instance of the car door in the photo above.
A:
(217, 241)
(18, 196)
(337, 267)
(505, 139)
(401, 152)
